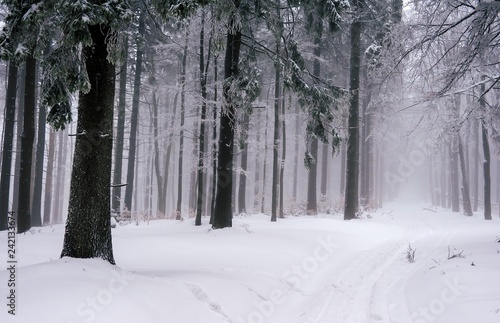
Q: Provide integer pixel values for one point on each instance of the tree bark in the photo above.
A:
(312, 199)
(201, 150)
(120, 134)
(134, 118)
(36, 208)
(352, 171)
(47, 198)
(182, 79)
(88, 228)
(242, 189)
(277, 112)
(27, 139)
(223, 212)
(8, 139)
(465, 180)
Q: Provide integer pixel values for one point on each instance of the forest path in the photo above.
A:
(369, 285)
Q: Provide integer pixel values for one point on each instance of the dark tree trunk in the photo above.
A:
(120, 134)
(465, 180)
(242, 189)
(214, 144)
(88, 228)
(19, 129)
(264, 166)
(486, 173)
(134, 119)
(343, 158)
(36, 209)
(277, 112)
(283, 157)
(47, 198)
(352, 171)
(182, 79)
(475, 156)
(58, 187)
(324, 170)
(312, 199)
(159, 178)
(296, 149)
(455, 195)
(201, 150)
(222, 210)
(27, 138)
(8, 139)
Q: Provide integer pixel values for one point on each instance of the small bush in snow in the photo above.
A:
(410, 254)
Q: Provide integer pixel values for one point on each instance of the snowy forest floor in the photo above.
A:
(300, 269)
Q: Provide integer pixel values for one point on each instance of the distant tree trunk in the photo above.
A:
(343, 158)
(283, 158)
(475, 170)
(351, 193)
(120, 133)
(8, 139)
(134, 118)
(486, 172)
(182, 79)
(256, 190)
(57, 200)
(296, 155)
(324, 170)
(88, 228)
(277, 112)
(455, 197)
(47, 198)
(465, 180)
(223, 212)
(27, 139)
(36, 210)
(264, 166)
(444, 190)
(159, 179)
(201, 150)
(168, 155)
(242, 208)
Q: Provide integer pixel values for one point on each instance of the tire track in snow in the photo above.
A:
(371, 288)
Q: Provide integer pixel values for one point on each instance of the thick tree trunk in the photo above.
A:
(47, 198)
(8, 139)
(27, 138)
(312, 199)
(120, 134)
(182, 79)
(36, 208)
(134, 119)
(19, 129)
(223, 212)
(214, 144)
(88, 228)
(352, 171)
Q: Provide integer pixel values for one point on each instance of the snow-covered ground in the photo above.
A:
(300, 269)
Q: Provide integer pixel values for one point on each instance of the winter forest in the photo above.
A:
(148, 145)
